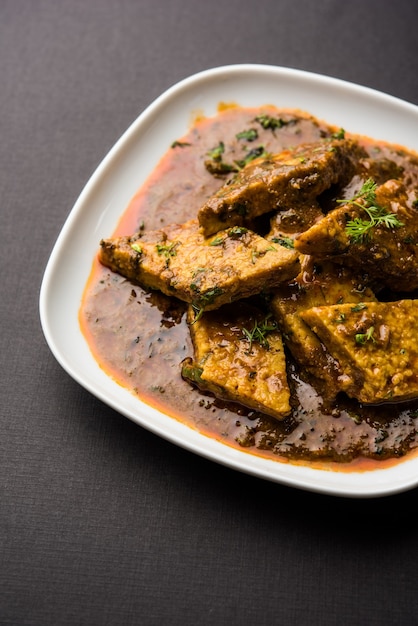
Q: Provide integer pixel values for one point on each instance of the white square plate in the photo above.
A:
(107, 194)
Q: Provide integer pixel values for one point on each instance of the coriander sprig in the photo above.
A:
(259, 332)
(167, 250)
(203, 299)
(218, 167)
(271, 123)
(362, 338)
(358, 228)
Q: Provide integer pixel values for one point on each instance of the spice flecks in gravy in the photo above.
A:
(141, 338)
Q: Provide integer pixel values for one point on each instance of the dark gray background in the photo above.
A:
(101, 522)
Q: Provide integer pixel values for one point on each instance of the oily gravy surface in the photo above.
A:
(140, 338)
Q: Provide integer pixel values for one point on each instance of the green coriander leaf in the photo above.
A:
(249, 135)
(359, 228)
(339, 134)
(270, 123)
(218, 241)
(168, 250)
(180, 144)
(285, 242)
(359, 307)
(362, 338)
(255, 153)
(258, 333)
(217, 152)
(237, 231)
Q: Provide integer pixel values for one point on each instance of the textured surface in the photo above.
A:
(206, 272)
(296, 176)
(102, 523)
(237, 363)
(375, 344)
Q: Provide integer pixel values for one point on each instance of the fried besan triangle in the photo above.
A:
(206, 272)
(375, 344)
(275, 182)
(239, 356)
(318, 284)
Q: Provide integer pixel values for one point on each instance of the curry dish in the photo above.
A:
(262, 288)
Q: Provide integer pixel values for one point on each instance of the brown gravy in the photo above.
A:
(140, 338)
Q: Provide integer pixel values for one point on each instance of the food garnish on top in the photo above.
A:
(329, 270)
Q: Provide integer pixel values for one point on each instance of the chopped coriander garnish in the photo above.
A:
(358, 307)
(237, 231)
(136, 247)
(202, 300)
(255, 153)
(358, 229)
(254, 256)
(219, 168)
(339, 134)
(259, 332)
(250, 135)
(180, 144)
(168, 250)
(286, 242)
(192, 373)
(216, 153)
(215, 164)
(217, 241)
(270, 123)
(361, 338)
